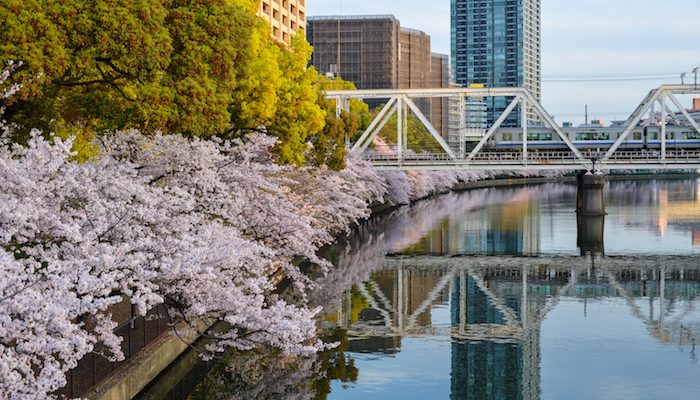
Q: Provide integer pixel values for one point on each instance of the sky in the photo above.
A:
(646, 42)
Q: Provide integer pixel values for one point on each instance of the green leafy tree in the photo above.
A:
(92, 59)
(329, 144)
(197, 67)
(299, 114)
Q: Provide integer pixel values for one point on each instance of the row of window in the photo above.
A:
(601, 136)
(669, 136)
(531, 137)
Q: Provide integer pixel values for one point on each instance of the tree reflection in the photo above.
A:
(267, 374)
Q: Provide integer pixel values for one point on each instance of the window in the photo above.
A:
(536, 137)
(690, 135)
(507, 137)
(637, 136)
(592, 136)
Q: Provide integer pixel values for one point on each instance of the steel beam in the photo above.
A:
(429, 126)
(633, 121)
(379, 128)
(548, 119)
(374, 123)
(690, 119)
(462, 110)
(523, 124)
(399, 128)
(662, 100)
(495, 126)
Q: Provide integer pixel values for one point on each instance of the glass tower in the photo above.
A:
(497, 43)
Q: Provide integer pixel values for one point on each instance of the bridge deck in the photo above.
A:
(548, 160)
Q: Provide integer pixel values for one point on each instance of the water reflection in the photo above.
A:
(497, 307)
(502, 294)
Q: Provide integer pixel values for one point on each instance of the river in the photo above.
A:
(499, 293)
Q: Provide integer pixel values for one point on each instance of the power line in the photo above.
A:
(612, 79)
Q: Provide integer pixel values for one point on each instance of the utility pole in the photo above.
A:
(683, 78)
(695, 71)
(586, 121)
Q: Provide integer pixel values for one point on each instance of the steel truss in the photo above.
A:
(659, 95)
(400, 102)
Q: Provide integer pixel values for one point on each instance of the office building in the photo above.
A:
(375, 52)
(497, 43)
(439, 78)
(286, 17)
(360, 49)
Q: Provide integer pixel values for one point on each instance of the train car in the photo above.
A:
(595, 138)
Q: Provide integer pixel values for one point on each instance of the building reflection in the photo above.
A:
(497, 306)
(661, 205)
(479, 265)
(509, 228)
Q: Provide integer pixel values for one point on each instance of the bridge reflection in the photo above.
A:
(497, 306)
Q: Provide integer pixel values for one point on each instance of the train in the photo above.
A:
(594, 138)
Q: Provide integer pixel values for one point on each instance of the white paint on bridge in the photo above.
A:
(401, 101)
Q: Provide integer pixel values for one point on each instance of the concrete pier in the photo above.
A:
(590, 237)
(590, 198)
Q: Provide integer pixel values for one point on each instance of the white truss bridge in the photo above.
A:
(400, 102)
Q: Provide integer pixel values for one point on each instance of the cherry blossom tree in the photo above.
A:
(208, 228)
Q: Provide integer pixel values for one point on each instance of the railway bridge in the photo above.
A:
(591, 164)
(401, 102)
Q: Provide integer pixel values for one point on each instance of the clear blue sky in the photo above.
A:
(580, 39)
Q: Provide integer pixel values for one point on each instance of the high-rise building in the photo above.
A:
(360, 49)
(497, 43)
(439, 78)
(285, 16)
(375, 52)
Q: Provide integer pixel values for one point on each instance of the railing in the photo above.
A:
(651, 157)
(480, 158)
(654, 156)
(137, 332)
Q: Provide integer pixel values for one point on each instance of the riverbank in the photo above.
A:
(176, 374)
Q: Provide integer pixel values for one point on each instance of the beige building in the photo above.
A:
(285, 16)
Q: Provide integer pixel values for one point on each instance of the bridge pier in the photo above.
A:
(590, 196)
(590, 238)
(590, 207)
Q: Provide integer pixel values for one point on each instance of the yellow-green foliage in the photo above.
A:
(329, 144)
(419, 139)
(200, 68)
(298, 113)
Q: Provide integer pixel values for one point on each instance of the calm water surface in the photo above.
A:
(497, 294)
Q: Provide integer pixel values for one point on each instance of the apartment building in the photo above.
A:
(286, 17)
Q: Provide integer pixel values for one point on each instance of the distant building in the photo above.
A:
(286, 17)
(474, 120)
(497, 43)
(361, 49)
(375, 52)
(439, 78)
(696, 104)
